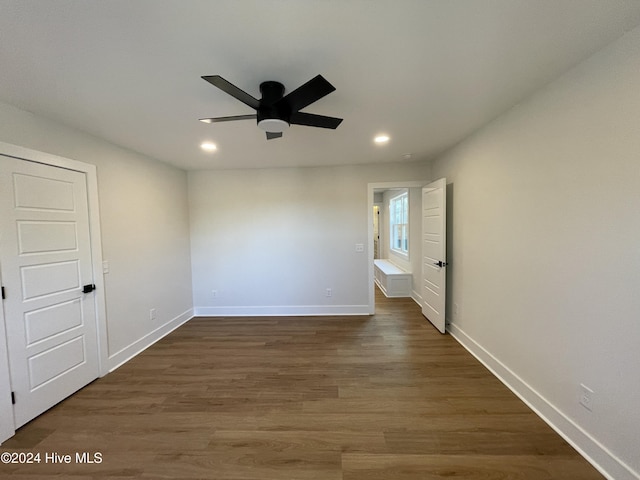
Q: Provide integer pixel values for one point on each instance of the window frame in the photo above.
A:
(395, 235)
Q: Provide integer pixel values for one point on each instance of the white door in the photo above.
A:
(434, 252)
(45, 257)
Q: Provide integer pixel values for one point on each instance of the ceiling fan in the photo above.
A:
(274, 111)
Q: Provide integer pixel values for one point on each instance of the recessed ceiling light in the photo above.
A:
(381, 139)
(208, 146)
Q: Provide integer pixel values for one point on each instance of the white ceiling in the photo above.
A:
(426, 72)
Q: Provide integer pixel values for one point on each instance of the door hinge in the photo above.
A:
(3, 295)
(13, 398)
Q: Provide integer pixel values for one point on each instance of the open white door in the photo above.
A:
(434, 252)
(49, 309)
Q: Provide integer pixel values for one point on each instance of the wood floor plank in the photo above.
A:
(469, 467)
(304, 398)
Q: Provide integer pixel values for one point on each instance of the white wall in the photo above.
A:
(144, 223)
(272, 241)
(545, 251)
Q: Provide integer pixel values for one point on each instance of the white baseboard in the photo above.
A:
(593, 451)
(381, 287)
(127, 353)
(281, 311)
(416, 297)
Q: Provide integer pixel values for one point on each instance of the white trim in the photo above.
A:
(593, 451)
(7, 424)
(127, 353)
(417, 297)
(371, 187)
(281, 311)
(98, 275)
(90, 172)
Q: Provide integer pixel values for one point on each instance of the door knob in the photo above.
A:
(441, 264)
(88, 288)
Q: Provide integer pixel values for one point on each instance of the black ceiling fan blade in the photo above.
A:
(305, 95)
(231, 89)
(229, 119)
(272, 135)
(313, 120)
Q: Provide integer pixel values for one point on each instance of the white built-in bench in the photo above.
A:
(392, 280)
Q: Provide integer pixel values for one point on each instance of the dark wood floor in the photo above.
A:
(349, 398)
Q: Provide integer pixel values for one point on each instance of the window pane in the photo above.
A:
(399, 223)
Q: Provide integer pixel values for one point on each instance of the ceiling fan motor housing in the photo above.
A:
(271, 118)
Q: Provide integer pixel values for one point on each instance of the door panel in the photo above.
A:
(49, 279)
(45, 256)
(35, 192)
(53, 362)
(434, 253)
(43, 237)
(52, 320)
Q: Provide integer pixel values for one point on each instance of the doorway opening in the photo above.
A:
(380, 235)
(407, 256)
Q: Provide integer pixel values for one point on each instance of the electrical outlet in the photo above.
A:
(456, 311)
(105, 266)
(329, 292)
(214, 293)
(586, 397)
(359, 247)
(152, 314)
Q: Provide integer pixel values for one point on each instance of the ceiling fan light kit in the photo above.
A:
(275, 112)
(273, 125)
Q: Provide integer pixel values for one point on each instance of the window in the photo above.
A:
(399, 222)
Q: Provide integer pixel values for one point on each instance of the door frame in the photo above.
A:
(371, 187)
(7, 425)
(380, 223)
